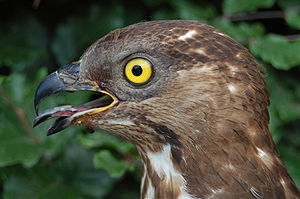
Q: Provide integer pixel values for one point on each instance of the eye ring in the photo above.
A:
(138, 71)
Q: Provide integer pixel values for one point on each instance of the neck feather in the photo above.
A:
(213, 166)
(162, 177)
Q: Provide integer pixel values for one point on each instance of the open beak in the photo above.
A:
(68, 78)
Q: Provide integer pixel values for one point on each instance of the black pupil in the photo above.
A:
(137, 70)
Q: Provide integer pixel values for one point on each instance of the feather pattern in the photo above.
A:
(201, 123)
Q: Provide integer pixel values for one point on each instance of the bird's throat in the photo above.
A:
(208, 167)
(162, 177)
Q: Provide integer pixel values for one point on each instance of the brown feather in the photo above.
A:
(207, 101)
(216, 134)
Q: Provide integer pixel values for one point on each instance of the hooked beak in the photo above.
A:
(68, 78)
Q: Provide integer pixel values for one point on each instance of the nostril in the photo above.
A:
(67, 78)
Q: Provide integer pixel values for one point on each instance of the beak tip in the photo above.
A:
(50, 132)
(51, 85)
(54, 84)
(36, 109)
(35, 123)
(58, 126)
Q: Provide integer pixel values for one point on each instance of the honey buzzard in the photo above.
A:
(190, 98)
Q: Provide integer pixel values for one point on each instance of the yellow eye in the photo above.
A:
(138, 71)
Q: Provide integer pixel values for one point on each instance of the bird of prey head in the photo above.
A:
(190, 98)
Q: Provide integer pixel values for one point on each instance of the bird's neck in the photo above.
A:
(206, 166)
(162, 177)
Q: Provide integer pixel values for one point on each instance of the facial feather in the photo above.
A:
(200, 123)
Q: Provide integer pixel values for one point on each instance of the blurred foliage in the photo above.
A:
(37, 37)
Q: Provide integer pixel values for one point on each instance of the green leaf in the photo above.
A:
(285, 106)
(115, 167)
(77, 165)
(17, 187)
(242, 32)
(288, 4)
(153, 3)
(20, 143)
(240, 6)
(197, 11)
(274, 49)
(23, 43)
(165, 14)
(103, 139)
(292, 17)
(17, 50)
(74, 36)
(291, 159)
(283, 97)
(70, 176)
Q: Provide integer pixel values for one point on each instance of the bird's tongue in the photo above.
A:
(69, 110)
(61, 111)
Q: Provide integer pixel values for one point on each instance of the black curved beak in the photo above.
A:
(68, 78)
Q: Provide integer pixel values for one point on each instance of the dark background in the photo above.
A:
(36, 37)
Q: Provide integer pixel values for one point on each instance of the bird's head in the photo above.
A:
(158, 80)
(189, 97)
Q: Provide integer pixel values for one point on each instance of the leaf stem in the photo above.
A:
(255, 16)
(21, 117)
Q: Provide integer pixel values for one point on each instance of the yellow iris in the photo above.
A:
(138, 71)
